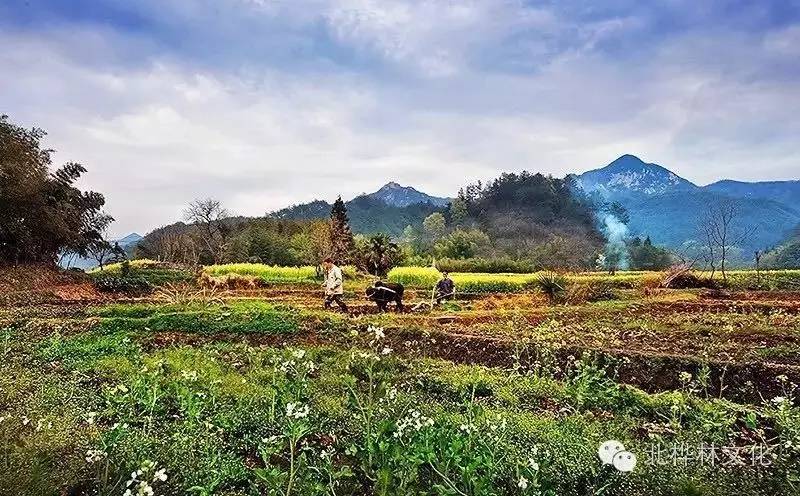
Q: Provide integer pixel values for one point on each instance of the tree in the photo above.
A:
(643, 255)
(721, 230)
(433, 228)
(103, 251)
(42, 213)
(342, 244)
(462, 243)
(378, 254)
(209, 216)
(458, 211)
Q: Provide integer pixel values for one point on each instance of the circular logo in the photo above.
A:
(607, 451)
(624, 461)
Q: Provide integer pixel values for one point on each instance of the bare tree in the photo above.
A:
(721, 229)
(103, 251)
(209, 216)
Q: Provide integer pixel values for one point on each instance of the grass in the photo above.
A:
(214, 417)
(153, 272)
(236, 317)
(91, 394)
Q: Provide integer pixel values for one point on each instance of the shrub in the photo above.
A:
(154, 272)
(590, 291)
(489, 266)
(107, 283)
(551, 284)
(690, 280)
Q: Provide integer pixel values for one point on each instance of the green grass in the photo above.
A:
(235, 316)
(153, 272)
(211, 416)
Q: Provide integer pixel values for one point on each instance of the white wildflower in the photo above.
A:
(296, 411)
(95, 455)
(377, 331)
(522, 483)
(91, 417)
(190, 375)
(386, 350)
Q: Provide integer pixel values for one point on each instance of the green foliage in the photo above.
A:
(367, 215)
(487, 265)
(643, 255)
(377, 255)
(108, 283)
(82, 412)
(552, 284)
(239, 317)
(463, 243)
(342, 243)
(133, 272)
(522, 213)
(786, 255)
(43, 213)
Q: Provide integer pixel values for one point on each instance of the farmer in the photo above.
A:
(445, 288)
(333, 284)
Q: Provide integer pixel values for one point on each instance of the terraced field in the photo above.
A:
(257, 390)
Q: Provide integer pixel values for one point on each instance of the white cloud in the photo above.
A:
(435, 94)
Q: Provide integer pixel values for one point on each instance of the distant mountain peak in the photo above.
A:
(629, 175)
(130, 239)
(395, 194)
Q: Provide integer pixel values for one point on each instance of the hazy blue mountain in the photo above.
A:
(629, 176)
(672, 219)
(787, 192)
(786, 255)
(127, 243)
(402, 196)
(129, 240)
(667, 207)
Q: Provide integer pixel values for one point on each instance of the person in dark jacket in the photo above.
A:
(445, 288)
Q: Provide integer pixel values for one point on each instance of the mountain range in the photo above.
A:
(660, 204)
(388, 210)
(667, 207)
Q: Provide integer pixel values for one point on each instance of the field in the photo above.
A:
(247, 389)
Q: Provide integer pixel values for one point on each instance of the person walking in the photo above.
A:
(445, 288)
(334, 289)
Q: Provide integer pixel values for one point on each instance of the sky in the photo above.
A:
(266, 103)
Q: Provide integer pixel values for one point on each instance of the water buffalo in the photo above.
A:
(384, 292)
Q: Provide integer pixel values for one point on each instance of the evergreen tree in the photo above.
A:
(342, 242)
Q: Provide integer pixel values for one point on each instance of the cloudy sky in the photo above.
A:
(265, 103)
